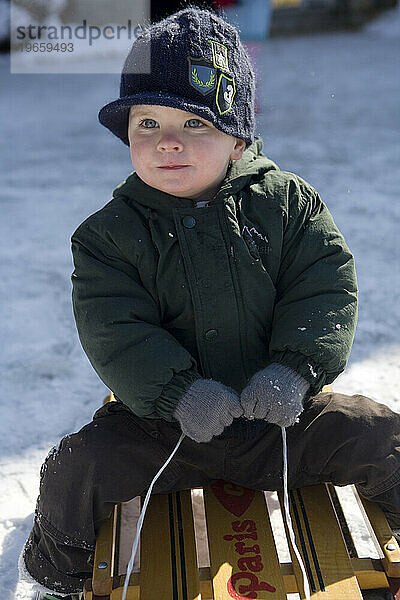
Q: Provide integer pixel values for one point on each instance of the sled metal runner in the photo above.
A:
(243, 556)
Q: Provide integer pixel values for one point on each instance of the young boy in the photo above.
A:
(213, 295)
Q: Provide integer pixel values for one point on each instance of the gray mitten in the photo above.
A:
(206, 408)
(274, 394)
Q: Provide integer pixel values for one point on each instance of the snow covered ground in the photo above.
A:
(330, 114)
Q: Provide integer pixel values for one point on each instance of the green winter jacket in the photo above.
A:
(165, 293)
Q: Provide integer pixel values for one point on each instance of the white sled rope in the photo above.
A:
(286, 505)
(141, 518)
(306, 584)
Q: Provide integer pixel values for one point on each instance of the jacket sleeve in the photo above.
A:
(316, 306)
(120, 330)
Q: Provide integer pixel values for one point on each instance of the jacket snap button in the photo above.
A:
(211, 334)
(188, 222)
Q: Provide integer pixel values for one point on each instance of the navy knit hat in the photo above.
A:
(194, 61)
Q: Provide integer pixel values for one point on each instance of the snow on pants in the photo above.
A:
(339, 439)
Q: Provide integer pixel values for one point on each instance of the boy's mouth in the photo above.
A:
(172, 167)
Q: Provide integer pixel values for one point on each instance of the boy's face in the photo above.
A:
(178, 152)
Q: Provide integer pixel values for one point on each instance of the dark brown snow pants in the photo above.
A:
(339, 439)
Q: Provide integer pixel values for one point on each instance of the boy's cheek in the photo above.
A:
(137, 150)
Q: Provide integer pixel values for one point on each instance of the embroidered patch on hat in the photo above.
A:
(220, 55)
(202, 75)
(226, 91)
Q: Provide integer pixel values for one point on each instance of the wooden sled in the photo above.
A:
(243, 555)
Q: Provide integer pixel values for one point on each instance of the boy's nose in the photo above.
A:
(168, 143)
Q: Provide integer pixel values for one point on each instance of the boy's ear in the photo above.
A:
(240, 146)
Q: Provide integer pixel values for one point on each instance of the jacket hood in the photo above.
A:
(252, 166)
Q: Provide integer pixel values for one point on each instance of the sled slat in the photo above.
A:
(376, 521)
(242, 549)
(133, 592)
(321, 545)
(370, 574)
(168, 562)
(103, 570)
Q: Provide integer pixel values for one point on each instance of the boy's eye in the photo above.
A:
(194, 123)
(148, 123)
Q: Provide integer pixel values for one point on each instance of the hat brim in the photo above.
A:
(115, 115)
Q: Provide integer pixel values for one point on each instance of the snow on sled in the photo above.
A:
(230, 551)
